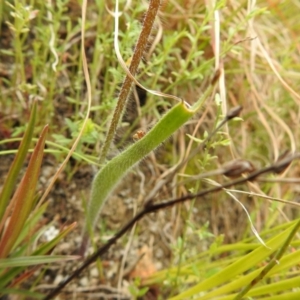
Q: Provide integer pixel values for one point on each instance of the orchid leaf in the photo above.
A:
(27, 229)
(109, 176)
(34, 260)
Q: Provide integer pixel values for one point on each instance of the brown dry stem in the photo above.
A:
(126, 86)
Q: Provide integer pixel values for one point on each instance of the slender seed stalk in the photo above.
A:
(126, 86)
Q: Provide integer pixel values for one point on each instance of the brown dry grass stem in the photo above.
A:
(126, 86)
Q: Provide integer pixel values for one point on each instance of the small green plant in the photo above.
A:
(135, 290)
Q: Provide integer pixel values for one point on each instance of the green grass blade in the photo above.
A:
(295, 295)
(243, 264)
(274, 261)
(44, 249)
(34, 260)
(17, 164)
(24, 293)
(28, 227)
(23, 198)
